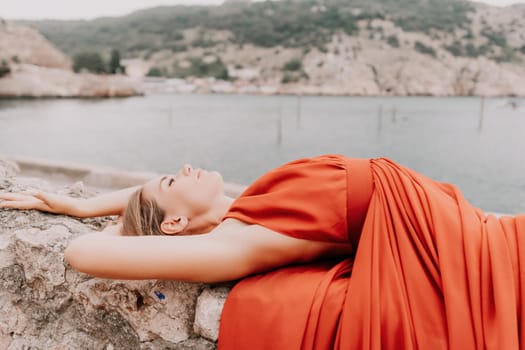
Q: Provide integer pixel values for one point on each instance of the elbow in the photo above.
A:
(76, 255)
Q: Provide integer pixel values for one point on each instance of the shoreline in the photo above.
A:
(83, 97)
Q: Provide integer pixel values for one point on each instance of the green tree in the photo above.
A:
(455, 48)
(422, 48)
(289, 78)
(294, 64)
(495, 38)
(154, 72)
(471, 50)
(90, 61)
(393, 41)
(4, 68)
(199, 68)
(178, 47)
(114, 63)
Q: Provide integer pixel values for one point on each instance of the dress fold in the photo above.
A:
(430, 272)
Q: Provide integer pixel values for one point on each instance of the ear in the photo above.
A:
(172, 225)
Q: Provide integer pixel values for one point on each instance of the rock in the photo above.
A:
(8, 170)
(208, 314)
(45, 304)
(190, 344)
(156, 309)
(28, 80)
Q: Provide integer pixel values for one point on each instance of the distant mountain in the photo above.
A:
(289, 23)
(322, 46)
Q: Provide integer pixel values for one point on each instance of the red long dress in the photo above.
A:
(430, 271)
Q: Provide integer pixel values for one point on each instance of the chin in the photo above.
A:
(218, 175)
(220, 180)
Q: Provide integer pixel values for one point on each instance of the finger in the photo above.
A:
(43, 207)
(22, 205)
(44, 197)
(12, 196)
(29, 192)
(39, 195)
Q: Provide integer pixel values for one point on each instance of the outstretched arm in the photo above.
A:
(218, 256)
(112, 203)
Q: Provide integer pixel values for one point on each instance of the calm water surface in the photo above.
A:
(243, 136)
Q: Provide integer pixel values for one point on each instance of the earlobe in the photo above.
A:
(174, 225)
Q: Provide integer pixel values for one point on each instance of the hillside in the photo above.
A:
(30, 66)
(437, 47)
(33, 49)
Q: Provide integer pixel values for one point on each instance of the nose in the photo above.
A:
(187, 169)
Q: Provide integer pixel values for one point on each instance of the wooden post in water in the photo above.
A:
(481, 113)
(299, 110)
(170, 116)
(394, 113)
(380, 119)
(280, 124)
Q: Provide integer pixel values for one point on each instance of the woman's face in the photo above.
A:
(190, 192)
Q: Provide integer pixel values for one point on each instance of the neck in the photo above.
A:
(213, 218)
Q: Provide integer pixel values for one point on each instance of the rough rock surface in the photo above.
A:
(45, 304)
(209, 307)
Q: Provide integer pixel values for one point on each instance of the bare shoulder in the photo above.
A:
(271, 249)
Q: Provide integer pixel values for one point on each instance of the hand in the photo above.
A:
(48, 202)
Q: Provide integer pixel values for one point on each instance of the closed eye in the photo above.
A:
(171, 181)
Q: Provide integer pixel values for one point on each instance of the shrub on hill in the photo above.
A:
(4, 69)
(294, 64)
(155, 72)
(199, 68)
(90, 61)
(424, 49)
(393, 41)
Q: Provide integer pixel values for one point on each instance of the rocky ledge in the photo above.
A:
(26, 80)
(48, 305)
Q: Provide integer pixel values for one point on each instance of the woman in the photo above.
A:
(431, 271)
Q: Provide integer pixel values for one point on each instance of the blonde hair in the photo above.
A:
(142, 217)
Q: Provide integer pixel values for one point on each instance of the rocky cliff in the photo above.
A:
(23, 44)
(30, 66)
(47, 305)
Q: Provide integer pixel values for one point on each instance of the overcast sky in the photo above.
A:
(89, 9)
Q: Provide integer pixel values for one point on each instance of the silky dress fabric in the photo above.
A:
(429, 271)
